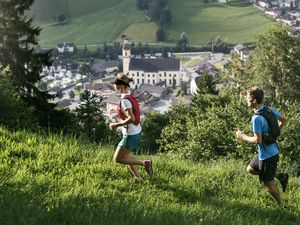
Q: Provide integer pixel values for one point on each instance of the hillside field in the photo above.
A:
(52, 179)
(93, 22)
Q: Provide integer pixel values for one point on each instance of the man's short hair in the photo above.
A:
(257, 94)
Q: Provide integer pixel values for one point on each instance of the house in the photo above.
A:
(65, 47)
(62, 65)
(263, 3)
(242, 50)
(288, 20)
(151, 71)
(146, 98)
(206, 66)
(291, 4)
(106, 67)
(155, 90)
(274, 12)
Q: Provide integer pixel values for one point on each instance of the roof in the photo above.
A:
(65, 44)
(100, 67)
(153, 90)
(240, 47)
(206, 66)
(62, 62)
(154, 65)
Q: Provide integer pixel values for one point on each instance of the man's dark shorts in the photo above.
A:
(266, 168)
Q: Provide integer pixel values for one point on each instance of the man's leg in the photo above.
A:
(273, 190)
(252, 171)
(283, 179)
(253, 167)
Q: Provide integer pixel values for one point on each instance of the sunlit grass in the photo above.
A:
(51, 179)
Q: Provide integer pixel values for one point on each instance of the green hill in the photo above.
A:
(94, 22)
(50, 179)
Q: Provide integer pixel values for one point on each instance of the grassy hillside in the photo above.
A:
(236, 23)
(57, 180)
(93, 22)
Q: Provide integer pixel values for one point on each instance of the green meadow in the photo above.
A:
(94, 22)
(54, 179)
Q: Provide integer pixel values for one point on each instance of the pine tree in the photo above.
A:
(18, 51)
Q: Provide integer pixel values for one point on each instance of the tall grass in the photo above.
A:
(51, 179)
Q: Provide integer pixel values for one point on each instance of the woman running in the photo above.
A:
(129, 113)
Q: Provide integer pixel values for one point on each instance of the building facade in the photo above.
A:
(151, 71)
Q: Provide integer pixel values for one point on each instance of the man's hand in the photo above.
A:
(239, 134)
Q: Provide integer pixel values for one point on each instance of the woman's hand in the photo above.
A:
(113, 126)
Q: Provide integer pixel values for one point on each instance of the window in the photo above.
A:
(165, 74)
(138, 81)
(153, 75)
(148, 75)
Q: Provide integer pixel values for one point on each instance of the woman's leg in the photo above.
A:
(123, 156)
(134, 171)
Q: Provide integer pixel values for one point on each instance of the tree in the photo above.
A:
(207, 84)
(161, 3)
(236, 77)
(165, 17)
(154, 11)
(275, 64)
(142, 4)
(18, 51)
(91, 121)
(184, 88)
(13, 113)
(182, 42)
(61, 18)
(160, 35)
(71, 94)
(85, 69)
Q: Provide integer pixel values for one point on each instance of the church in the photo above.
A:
(151, 71)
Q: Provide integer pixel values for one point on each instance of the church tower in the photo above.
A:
(126, 52)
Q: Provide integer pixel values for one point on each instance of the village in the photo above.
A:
(159, 83)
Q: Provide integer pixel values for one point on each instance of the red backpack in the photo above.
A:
(135, 109)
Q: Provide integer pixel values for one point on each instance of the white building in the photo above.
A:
(151, 71)
(65, 47)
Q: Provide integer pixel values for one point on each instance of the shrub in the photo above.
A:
(207, 128)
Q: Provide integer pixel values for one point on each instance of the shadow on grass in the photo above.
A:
(40, 204)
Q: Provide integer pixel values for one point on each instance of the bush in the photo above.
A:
(152, 128)
(206, 129)
(289, 140)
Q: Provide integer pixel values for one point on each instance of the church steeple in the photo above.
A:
(126, 52)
